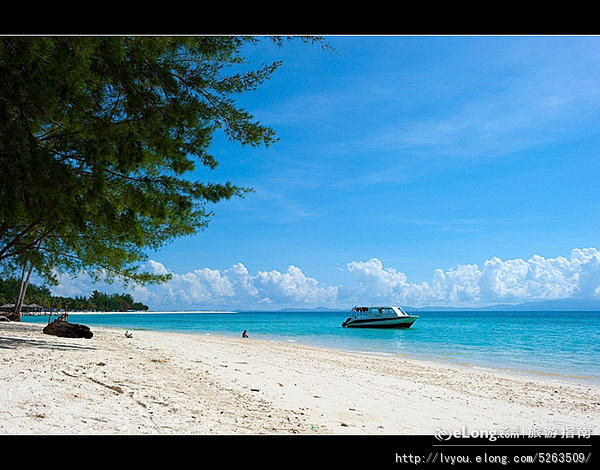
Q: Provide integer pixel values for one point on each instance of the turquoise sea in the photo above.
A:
(551, 343)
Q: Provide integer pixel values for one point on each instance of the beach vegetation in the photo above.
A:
(42, 297)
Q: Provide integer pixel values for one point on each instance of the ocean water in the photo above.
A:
(565, 344)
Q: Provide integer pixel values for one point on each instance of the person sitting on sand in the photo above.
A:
(245, 334)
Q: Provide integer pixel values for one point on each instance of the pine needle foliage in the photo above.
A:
(98, 136)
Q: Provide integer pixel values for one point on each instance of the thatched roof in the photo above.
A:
(5, 306)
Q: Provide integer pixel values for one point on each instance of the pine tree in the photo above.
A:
(97, 138)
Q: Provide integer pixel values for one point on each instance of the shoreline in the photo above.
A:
(182, 383)
(533, 374)
(439, 361)
(137, 312)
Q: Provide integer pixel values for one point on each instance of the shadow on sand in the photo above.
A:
(52, 343)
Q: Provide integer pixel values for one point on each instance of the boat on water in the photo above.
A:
(379, 317)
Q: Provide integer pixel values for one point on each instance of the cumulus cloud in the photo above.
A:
(497, 280)
(587, 264)
(494, 281)
(235, 287)
(293, 286)
(71, 286)
(377, 283)
(458, 285)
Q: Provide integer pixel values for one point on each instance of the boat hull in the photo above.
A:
(399, 322)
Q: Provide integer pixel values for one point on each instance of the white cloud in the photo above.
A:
(293, 286)
(512, 280)
(212, 288)
(155, 267)
(588, 272)
(71, 286)
(457, 286)
(495, 281)
(503, 279)
(377, 283)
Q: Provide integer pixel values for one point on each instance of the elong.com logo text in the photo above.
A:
(444, 435)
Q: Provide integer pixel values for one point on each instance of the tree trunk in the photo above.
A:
(16, 314)
(24, 283)
(21, 299)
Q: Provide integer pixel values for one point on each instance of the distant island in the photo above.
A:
(42, 299)
(565, 305)
(570, 304)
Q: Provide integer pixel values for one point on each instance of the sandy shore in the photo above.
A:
(136, 312)
(167, 383)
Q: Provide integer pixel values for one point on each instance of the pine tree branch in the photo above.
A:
(16, 239)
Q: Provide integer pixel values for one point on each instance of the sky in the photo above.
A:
(410, 170)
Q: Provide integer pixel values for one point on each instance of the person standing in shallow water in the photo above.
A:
(245, 334)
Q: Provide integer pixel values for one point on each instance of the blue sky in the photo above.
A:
(400, 158)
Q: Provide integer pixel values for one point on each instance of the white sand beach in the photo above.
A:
(171, 383)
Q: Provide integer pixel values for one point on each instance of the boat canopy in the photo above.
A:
(385, 311)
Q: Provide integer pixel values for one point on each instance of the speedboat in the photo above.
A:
(379, 317)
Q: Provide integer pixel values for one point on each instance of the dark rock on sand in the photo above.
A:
(67, 330)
